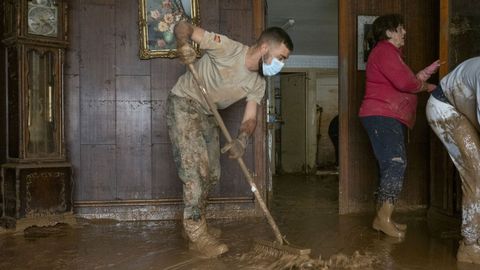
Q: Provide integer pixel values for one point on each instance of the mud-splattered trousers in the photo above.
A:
(387, 136)
(462, 141)
(196, 150)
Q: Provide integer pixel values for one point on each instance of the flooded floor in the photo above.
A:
(305, 208)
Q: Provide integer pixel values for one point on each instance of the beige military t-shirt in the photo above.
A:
(225, 75)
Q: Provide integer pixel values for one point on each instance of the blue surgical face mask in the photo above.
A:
(272, 68)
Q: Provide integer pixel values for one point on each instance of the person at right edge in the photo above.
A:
(453, 112)
(388, 108)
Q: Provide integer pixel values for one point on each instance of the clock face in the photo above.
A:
(42, 18)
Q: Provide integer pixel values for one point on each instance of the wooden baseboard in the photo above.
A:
(165, 209)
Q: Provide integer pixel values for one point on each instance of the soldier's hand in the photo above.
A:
(186, 53)
(236, 148)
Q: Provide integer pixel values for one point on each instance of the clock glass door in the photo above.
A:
(41, 134)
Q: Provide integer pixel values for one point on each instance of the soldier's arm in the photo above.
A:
(249, 121)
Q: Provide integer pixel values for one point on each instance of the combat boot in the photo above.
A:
(383, 221)
(201, 241)
(468, 253)
(400, 226)
(213, 231)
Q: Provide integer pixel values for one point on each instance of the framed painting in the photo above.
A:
(365, 40)
(157, 18)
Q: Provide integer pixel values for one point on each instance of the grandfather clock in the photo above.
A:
(36, 182)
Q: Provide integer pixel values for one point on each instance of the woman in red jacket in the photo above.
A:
(388, 107)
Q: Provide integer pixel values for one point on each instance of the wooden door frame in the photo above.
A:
(346, 80)
(260, 135)
(444, 37)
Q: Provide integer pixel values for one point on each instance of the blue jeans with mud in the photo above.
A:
(387, 137)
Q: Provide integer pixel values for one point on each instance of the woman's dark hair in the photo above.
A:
(277, 35)
(384, 23)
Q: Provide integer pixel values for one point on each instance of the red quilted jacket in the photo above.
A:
(391, 86)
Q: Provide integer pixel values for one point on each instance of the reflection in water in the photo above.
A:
(304, 207)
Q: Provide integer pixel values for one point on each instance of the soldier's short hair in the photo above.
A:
(276, 35)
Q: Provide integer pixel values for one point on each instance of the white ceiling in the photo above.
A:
(315, 31)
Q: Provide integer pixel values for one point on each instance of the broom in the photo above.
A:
(280, 246)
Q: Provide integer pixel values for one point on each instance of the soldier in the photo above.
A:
(453, 112)
(230, 71)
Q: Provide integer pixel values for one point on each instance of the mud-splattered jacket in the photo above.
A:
(224, 73)
(391, 86)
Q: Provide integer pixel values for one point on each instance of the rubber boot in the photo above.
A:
(468, 253)
(201, 241)
(383, 221)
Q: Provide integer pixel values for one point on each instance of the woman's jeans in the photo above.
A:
(387, 136)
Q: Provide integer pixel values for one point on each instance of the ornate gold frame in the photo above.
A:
(146, 50)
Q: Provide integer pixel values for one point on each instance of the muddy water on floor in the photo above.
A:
(304, 207)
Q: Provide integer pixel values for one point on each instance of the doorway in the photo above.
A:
(303, 110)
(290, 134)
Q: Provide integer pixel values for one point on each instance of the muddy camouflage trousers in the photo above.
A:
(462, 142)
(196, 151)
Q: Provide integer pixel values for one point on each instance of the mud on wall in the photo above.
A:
(464, 31)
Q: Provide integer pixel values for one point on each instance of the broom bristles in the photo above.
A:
(277, 250)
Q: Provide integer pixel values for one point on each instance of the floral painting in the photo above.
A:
(157, 21)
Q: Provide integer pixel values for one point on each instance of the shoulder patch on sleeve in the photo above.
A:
(217, 39)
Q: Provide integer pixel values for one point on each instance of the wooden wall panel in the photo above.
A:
(117, 137)
(359, 176)
(422, 17)
(232, 181)
(209, 15)
(236, 4)
(133, 137)
(97, 121)
(165, 73)
(126, 41)
(3, 108)
(71, 91)
(97, 176)
(159, 122)
(134, 172)
(165, 181)
(72, 123)
(97, 29)
(73, 53)
(239, 31)
(97, 73)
